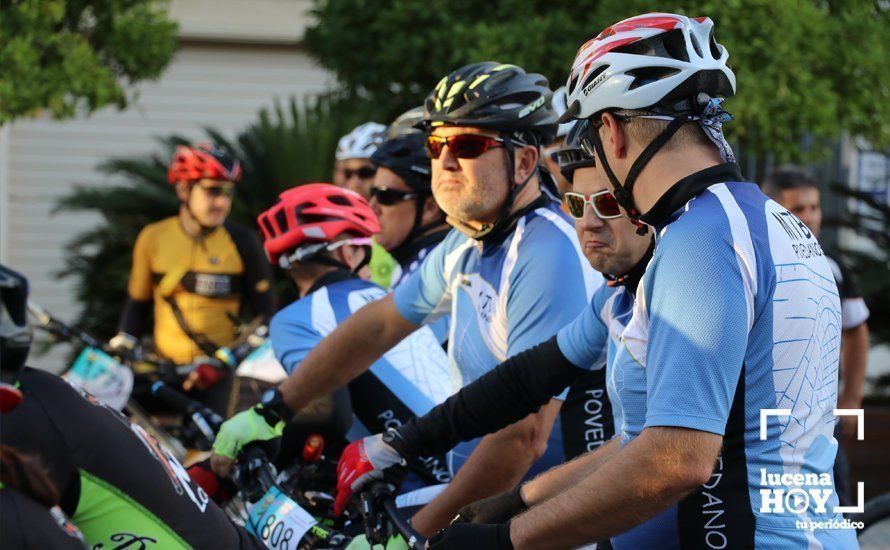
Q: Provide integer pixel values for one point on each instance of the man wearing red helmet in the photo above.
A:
(196, 269)
(320, 235)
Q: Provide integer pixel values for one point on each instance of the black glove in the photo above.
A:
(468, 536)
(496, 509)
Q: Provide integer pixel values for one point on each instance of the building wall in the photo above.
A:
(221, 77)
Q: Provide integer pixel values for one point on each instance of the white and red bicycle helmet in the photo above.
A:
(306, 219)
(657, 65)
(647, 61)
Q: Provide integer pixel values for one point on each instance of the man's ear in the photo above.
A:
(526, 162)
(613, 136)
(182, 190)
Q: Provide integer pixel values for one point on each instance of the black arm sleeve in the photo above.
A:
(134, 318)
(516, 388)
(258, 283)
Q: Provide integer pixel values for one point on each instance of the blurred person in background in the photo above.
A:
(353, 157)
(196, 271)
(355, 171)
(796, 190)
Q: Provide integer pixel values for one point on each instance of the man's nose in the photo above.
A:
(448, 159)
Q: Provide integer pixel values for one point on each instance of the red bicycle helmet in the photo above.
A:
(203, 161)
(315, 213)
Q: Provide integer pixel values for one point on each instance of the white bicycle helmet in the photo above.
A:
(659, 65)
(647, 61)
(361, 142)
(558, 104)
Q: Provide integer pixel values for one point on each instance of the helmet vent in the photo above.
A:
(675, 45)
(342, 201)
(592, 76)
(281, 221)
(267, 226)
(647, 75)
(712, 43)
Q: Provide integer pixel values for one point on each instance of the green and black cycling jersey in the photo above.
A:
(118, 484)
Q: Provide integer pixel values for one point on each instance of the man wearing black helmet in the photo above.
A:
(120, 487)
(509, 275)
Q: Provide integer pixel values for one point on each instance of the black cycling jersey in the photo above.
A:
(117, 483)
(27, 524)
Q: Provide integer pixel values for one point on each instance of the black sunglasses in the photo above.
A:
(363, 173)
(389, 197)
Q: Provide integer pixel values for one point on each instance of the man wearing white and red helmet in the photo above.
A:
(728, 369)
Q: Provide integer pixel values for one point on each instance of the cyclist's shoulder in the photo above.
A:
(161, 226)
(161, 231)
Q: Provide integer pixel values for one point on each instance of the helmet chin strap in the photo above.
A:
(624, 192)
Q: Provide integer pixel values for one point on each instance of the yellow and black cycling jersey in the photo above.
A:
(204, 281)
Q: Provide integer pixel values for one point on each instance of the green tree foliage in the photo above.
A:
(63, 55)
(804, 68)
(286, 146)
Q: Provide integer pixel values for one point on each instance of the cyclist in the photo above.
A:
(120, 487)
(30, 516)
(730, 312)
(196, 270)
(353, 156)
(320, 235)
(355, 171)
(797, 191)
(411, 223)
(510, 274)
(519, 386)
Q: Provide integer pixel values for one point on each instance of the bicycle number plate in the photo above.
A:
(279, 521)
(103, 377)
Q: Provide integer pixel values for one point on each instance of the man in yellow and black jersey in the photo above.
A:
(196, 270)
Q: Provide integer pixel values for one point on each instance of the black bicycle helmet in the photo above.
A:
(15, 332)
(496, 96)
(407, 157)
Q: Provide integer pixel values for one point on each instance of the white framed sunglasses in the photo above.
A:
(602, 202)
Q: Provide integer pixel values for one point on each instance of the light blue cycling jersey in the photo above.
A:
(408, 265)
(503, 297)
(415, 371)
(737, 313)
(591, 341)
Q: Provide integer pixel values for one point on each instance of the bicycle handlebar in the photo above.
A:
(206, 420)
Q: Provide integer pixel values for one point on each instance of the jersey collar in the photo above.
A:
(330, 278)
(408, 251)
(681, 192)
